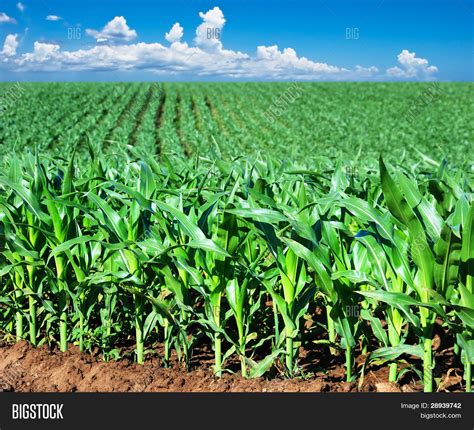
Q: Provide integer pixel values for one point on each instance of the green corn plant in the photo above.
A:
(384, 265)
(286, 281)
(17, 277)
(242, 291)
(64, 229)
(24, 223)
(329, 253)
(207, 256)
(83, 254)
(432, 275)
(177, 282)
(423, 259)
(221, 275)
(385, 277)
(466, 293)
(292, 292)
(343, 313)
(123, 230)
(338, 296)
(235, 254)
(175, 287)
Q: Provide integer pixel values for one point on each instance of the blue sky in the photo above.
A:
(51, 40)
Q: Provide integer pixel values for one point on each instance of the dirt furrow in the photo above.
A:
(159, 122)
(133, 135)
(177, 124)
(24, 368)
(125, 112)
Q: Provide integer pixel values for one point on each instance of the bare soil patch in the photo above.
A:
(27, 369)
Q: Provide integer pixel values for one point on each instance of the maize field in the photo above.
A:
(258, 219)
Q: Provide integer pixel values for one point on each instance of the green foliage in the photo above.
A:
(153, 227)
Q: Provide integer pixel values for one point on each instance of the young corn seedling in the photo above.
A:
(25, 225)
(208, 256)
(169, 250)
(64, 229)
(242, 293)
(16, 287)
(379, 273)
(466, 302)
(423, 258)
(292, 292)
(123, 231)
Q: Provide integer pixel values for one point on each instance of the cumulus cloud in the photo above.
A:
(366, 72)
(53, 18)
(278, 62)
(10, 45)
(208, 33)
(175, 34)
(206, 57)
(152, 56)
(20, 6)
(115, 31)
(5, 19)
(42, 52)
(411, 67)
(396, 72)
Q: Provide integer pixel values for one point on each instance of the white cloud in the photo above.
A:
(412, 67)
(20, 6)
(409, 59)
(5, 19)
(179, 57)
(212, 25)
(10, 45)
(116, 30)
(278, 63)
(175, 34)
(395, 72)
(366, 72)
(43, 52)
(207, 57)
(53, 18)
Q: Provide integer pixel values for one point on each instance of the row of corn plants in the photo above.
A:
(239, 255)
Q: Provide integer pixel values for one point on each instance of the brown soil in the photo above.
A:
(26, 369)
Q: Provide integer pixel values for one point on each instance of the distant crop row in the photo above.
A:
(238, 254)
(300, 122)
